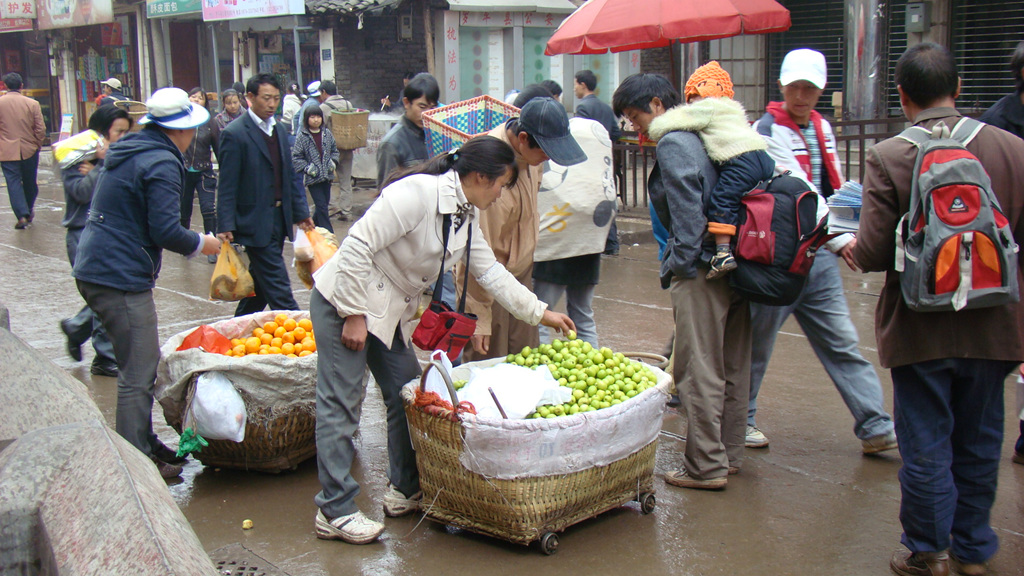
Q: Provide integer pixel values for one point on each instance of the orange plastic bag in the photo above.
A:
(231, 280)
(207, 339)
(322, 250)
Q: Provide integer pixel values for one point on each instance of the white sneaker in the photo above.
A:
(879, 443)
(755, 438)
(397, 504)
(354, 528)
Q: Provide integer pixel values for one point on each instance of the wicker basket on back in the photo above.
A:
(136, 110)
(349, 128)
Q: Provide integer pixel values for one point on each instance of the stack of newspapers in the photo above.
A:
(844, 208)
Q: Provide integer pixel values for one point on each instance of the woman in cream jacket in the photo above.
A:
(363, 306)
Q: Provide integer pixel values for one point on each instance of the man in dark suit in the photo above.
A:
(257, 200)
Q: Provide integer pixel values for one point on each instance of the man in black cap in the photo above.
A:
(512, 223)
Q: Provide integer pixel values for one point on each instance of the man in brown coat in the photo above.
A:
(21, 136)
(948, 368)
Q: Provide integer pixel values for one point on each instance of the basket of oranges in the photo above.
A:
(271, 361)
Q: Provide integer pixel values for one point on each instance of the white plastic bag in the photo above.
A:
(303, 247)
(519, 390)
(218, 411)
(435, 383)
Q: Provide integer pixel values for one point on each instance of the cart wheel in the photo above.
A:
(647, 502)
(549, 543)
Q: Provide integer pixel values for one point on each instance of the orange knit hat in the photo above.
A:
(709, 81)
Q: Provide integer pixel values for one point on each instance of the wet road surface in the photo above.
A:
(809, 504)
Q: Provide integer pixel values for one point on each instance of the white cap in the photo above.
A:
(171, 108)
(804, 64)
(113, 83)
(313, 89)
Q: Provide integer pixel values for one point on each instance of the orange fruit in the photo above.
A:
(289, 324)
(236, 342)
(264, 346)
(305, 353)
(299, 333)
(288, 338)
(306, 324)
(257, 332)
(239, 350)
(280, 318)
(274, 350)
(266, 338)
(287, 348)
(270, 327)
(308, 344)
(263, 352)
(292, 356)
(298, 348)
(279, 332)
(252, 345)
(276, 342)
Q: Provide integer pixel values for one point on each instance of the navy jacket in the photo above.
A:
(1008, 114)
(135, 214)
(78, 191)
(245, 190)
(594, 109)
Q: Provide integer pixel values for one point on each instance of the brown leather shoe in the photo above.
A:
(167, 471)
(907, 563)
(964, 569)
(22, 224)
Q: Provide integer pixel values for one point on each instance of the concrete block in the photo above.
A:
(79, 499)
(36, 393)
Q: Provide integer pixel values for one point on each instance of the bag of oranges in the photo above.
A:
(323, 245)
(231, 280)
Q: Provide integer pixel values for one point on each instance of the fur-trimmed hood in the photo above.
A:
(720, 122)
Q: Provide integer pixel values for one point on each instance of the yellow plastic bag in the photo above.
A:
(231, 280)
(323, 245)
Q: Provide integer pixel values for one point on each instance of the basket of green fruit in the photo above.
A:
(526, 479)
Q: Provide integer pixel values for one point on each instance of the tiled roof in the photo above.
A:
(347, 6)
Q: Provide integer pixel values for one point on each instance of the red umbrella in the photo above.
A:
(619, 25)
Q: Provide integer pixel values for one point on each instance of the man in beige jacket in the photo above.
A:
(21, 136)
(511, 224)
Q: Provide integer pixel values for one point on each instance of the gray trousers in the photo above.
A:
(130, 321)
(339, 399)
(341, 190)
(712, 372)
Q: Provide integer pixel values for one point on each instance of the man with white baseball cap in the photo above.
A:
(801, 141)
(111, 88)
(134, 216)
(316, 98)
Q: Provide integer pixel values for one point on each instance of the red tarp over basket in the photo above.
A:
(619, 25)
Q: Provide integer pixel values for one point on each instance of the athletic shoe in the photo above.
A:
(397, 504)
(721, 264)
(683, 479)
(354, 528)
(879, 443)
(755, 438)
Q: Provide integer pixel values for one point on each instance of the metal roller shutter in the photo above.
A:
(816, 24)
(894, 45)
(984, 35)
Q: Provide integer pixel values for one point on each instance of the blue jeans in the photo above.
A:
(825, 319)
(577, 302)
(21, 184)
(949, 421)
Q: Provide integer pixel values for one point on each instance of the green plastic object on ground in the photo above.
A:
(190, 441)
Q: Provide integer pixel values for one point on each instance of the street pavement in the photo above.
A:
(808, 504)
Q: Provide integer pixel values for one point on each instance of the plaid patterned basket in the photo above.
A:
(455, 124)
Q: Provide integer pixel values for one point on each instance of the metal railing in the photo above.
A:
(632, 162)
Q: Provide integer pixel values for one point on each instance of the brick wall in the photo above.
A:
(656, 61)
(371, 62)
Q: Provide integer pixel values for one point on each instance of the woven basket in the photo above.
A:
(455, 124)
(349, 128)
(275, 440)
(136, 110)
(522, 510)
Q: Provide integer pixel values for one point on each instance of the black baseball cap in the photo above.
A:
(546, 120)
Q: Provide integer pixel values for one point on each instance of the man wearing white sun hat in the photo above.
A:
(134, 216)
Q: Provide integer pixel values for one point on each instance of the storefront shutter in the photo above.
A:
(985, 33)
(894, 45)
(816, 24)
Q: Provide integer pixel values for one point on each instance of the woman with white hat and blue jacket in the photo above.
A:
(134, 216)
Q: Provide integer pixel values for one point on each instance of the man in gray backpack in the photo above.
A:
(948, 367)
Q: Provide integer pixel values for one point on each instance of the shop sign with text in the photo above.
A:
(14, 9)
(68, 13)
(15, 24)
(161, 8)
(236, 9)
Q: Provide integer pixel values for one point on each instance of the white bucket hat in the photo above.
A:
(313, 89)
(171, 108)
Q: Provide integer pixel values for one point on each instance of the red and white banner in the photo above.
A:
(18, 9)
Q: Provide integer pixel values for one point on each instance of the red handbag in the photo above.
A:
(440, 327)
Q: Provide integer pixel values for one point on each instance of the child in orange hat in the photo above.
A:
(736, 149)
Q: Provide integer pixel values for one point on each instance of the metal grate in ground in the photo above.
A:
(237, 560)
